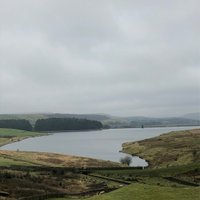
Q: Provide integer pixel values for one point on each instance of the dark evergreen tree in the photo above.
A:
(16, 124)
(63, 124)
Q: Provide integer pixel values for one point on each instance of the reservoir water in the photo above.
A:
(102, 144)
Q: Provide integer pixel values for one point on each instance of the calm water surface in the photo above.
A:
(103, 144)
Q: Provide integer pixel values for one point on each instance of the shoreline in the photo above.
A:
(132, 154)
(13, 140)
(20, 138)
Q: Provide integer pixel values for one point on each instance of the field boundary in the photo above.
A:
(180, 181)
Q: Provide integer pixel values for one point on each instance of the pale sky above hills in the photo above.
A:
(130, 57)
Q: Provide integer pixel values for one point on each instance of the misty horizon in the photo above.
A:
(102, 114)
(122, 58)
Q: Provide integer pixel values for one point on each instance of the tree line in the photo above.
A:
(52, 124)
(16, 124)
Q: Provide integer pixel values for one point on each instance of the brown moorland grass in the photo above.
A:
(170, 149)
(54, 160)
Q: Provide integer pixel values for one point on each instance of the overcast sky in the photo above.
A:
(119, 57)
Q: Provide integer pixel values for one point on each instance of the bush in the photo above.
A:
(126, 160)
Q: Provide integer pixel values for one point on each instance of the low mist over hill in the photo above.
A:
(194, 116)
(108, 121)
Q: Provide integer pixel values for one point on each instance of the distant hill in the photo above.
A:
(192, 119)
(194, 116)
(32, 118)
(97, 117)
(137, 122)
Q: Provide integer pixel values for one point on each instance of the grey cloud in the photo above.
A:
(117, 57)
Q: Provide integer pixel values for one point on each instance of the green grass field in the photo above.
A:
(148, 192)
(4, 132)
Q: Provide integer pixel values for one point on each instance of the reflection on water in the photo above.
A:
(103, 144)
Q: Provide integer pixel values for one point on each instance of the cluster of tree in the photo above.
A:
(63, 124)
(52, 124)
(16, 124)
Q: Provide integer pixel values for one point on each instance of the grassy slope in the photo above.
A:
(148, 192)
(174, 148)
